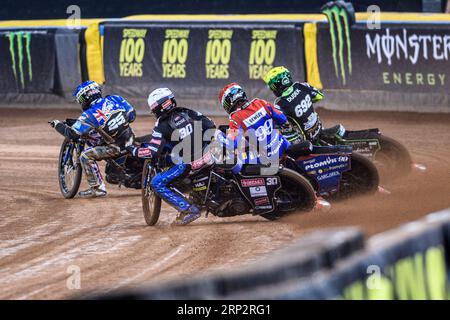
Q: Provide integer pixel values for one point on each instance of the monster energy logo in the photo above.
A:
(23, 42)
(339, 21)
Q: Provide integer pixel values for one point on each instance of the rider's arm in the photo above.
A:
(150, 149)
(277, 115)
(286, 128)
(315, 93)
(66, 131)
(234, 134)
(79, 128)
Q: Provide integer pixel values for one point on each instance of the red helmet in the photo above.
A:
(231, 96)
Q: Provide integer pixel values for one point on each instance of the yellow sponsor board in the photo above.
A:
(419, 277)
(175, 53)
(132, 51)
(218, 54)
(262, 54)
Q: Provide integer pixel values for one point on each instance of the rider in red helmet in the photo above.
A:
(256, 119)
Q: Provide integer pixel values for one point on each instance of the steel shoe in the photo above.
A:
(188, 216)
(92, 192)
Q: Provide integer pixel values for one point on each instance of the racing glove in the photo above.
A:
(139, 152)
(290, 133)
(54, 123)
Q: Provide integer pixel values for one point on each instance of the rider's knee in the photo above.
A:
(86, 155)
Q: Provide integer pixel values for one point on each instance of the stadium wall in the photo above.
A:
(409, 262)
(402, 66)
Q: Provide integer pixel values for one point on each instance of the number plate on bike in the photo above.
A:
(260, 191)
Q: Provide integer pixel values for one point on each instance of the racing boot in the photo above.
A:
(187, 216)
(93, 192)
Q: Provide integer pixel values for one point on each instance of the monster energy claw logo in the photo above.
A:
(23, 42)
(340, 22)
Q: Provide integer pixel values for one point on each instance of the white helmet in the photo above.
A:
(161, 100)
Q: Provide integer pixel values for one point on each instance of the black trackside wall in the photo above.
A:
(403, 67)
(413, 58)
(28, 61)
(197, 61)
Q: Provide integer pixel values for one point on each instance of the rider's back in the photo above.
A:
(177, 126)
(297, 103)
(257, 117)
(112, 114)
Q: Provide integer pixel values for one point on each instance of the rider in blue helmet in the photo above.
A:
(105, 123)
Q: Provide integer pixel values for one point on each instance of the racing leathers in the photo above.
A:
(179, 132)
(255, 120)
(296, 103)
(106, 126)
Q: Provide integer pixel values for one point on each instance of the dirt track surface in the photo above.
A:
(42, 235)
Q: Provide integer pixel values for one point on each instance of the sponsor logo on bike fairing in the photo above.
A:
(261, 201)
(258, 191)
(328, 175)
(263, 207)
(253, 182)
(327, 162)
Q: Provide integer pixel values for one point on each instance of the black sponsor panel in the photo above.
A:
(197, 60)
(28, 61)
(397, 57)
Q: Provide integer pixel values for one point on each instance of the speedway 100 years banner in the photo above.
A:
(408, 58)
(28, 61)
(197, 60)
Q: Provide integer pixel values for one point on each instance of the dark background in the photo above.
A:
(52, 9)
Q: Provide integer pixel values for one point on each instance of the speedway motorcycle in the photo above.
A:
(335, 172)
(219, 191)
(123, 170)
(390, 156)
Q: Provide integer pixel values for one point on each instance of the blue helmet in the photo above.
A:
(86, 93)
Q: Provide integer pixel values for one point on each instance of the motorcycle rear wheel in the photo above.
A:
(393, 159)
(151, 202)
(296, 189)
(363, 178)
(69, 171)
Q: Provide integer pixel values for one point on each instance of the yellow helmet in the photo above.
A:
(278, 79)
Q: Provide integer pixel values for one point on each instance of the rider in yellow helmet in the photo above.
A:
(296, 100)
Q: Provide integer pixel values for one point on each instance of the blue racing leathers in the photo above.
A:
(255, 123)
(106, 126)
(170, 131)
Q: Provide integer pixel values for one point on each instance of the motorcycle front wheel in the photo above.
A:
(151, 202)
(69, 169)
(296, 194)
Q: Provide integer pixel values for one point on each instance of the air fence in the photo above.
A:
(409, 262)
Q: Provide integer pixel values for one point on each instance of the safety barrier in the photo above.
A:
(302, 259)
(409, 262)
(401, 66)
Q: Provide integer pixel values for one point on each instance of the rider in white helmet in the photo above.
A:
(174, 124)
